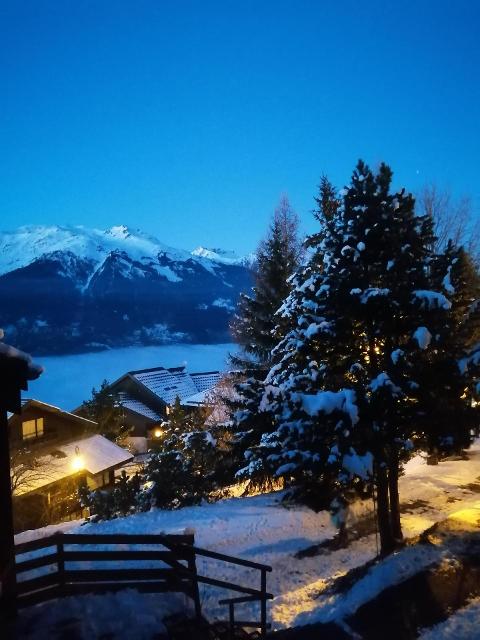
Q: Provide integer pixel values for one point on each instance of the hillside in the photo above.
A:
(307, 589)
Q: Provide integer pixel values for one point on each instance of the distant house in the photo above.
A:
(147, 394)
(53, 452)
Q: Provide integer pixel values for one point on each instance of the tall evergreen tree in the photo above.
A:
(256, 327)
(255, 420)
(455, 274)
(352, 389)
(105, 409)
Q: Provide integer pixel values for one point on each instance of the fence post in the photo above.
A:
(61, 563)
(231, 619)
(192, 567)
(263, 604)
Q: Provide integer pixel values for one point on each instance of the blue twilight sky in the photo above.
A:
(190, 119)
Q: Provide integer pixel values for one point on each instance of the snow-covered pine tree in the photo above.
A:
(455, 275)
(353, 384)
(258, 411)
(277, 257)
(256, 328)
(106, 410)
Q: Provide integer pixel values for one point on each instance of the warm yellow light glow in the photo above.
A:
(470, 515)
(77, 463)
(158, 433)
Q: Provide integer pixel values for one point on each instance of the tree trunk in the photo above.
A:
(432, 457)
(396, 525)
(387, 542)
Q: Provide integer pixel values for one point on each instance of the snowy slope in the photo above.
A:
(260, 529)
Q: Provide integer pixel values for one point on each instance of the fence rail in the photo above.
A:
(178, 572)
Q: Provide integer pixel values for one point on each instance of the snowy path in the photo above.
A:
(260, 529)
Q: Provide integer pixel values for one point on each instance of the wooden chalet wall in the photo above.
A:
(58, 427)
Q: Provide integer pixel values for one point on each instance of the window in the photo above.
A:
(32, 429)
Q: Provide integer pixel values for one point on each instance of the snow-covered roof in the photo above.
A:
(94, 454)
(198, 399)
(138, 407)
(168, 384)
(33, 370)
(31, 402)
(207, 380)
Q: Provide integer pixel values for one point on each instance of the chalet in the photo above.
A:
(53, 452)
(41, 424)
(147, 395)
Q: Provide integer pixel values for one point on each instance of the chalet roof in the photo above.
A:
(167, 384)
(139, 407)
(206, 380)
(197, 400)
(30, 403)
(97, 454)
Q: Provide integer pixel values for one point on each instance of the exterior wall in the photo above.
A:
(57, 502)
(57, 428)
(140, 424)
(137, 444)
(99, 480)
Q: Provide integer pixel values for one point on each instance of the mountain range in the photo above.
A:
(69, 289)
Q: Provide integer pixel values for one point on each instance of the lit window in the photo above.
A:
(32, 429)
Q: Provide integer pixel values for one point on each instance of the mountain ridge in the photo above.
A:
(29, 242)
(67, 289)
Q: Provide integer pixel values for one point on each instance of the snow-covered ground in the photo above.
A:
(464, 624)
(261, 529)
(68, 380)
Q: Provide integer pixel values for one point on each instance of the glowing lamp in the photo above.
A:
(158, 433)
(77, 461)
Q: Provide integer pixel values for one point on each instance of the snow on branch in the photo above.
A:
(329, 401)
(357, 465)
(432, 299)
(383, 380)
(423, 336)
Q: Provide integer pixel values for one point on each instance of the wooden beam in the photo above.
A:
(7, 539)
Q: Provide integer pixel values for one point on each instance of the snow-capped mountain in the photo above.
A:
(224, 257)
(67, 289)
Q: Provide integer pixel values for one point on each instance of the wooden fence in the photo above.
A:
(68, 567)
